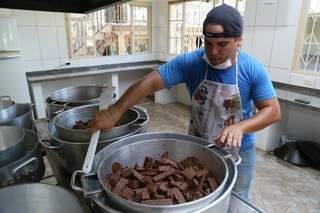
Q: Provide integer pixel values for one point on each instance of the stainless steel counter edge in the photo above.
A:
(51, 77)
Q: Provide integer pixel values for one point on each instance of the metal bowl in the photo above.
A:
(23, 117)
(79, 95)
(66, 120)
(11, 144)
(7, 108)
(154, 147)
(30, 198)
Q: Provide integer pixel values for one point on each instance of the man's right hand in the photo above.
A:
(103, 120)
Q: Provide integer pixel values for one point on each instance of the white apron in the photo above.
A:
(214, 107)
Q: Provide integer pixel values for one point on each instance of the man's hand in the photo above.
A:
(104, 120)
(231, 136)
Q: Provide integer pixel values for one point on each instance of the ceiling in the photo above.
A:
(67, 6)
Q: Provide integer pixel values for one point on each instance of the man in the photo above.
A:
(224, 84)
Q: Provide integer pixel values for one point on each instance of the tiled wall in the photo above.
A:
(43, 38)
(44, 44)
(271, 27)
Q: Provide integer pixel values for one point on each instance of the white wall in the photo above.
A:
(270, 35)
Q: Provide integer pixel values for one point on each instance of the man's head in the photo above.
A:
(222, 31)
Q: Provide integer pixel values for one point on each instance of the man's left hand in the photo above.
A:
(231, 136)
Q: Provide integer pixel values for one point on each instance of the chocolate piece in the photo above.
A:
(164, 174)
(116, 167)
(148, 161)
(139, 176)
(213, 184)
(178, 195)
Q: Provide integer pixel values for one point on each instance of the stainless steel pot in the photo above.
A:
(30, 198)
(53, 108)
(72, 154)
(29, 168)
(66, 120)
(23, 117)
(93, 191)
(7, 109)
(78, 95)
(11, 144)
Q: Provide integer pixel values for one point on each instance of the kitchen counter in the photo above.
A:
(55, 74)
(289, 93)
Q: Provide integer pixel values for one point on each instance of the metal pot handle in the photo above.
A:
(143, 119)
(73, 184)
(25, 171)
(233, 155)
(84, 179)
(4, 97)
(58, 112)
(44, 144)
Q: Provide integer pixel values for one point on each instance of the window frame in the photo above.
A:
(295, 65)
(148, 5)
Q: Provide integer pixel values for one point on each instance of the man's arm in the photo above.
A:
(106, 119)
(269, 112)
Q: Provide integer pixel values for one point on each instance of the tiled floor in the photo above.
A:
(277, 187)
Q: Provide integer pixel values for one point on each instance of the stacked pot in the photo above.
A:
(15, 114)
(71, 97)
(20, 156)
(20, 152)
(70, 145)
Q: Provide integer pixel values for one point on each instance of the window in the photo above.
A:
(309, 45)
(118, 30)
(185, 22)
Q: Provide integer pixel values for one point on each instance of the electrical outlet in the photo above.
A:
(308, 82)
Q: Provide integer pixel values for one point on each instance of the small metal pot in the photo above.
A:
(72, 154)
(11, 144)
(23, 117)
(29, 168)
(66, 120)
(79, 95)
(7, 109)
(36, 197)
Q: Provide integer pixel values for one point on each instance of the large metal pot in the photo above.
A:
(53, 108)
(29, 168)
(66, 120)
(11, 144)
(7, 109)
(30, 198)
(23, 117)
(78, 95)
(102, 202)
(72, 154)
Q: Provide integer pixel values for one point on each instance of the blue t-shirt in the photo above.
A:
(254, 82)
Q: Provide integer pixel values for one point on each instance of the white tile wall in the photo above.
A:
(317, 83)
(283, 46)
(45, 19)
(289, 12)
(8, 12)
(29, 42)
(32, 65)
(50, 63)
(250, 13)
(248, 36)
(262, 43)
(60, 19)
(266, 13)
(48, 42)
(302, 80)
(279, 75)
(62, 42)
(25, 17)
